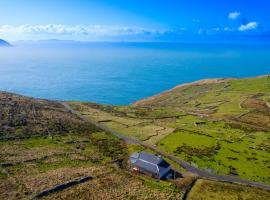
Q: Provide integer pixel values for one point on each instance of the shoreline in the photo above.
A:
(137, 102)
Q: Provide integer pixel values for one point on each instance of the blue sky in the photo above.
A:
(135, 20)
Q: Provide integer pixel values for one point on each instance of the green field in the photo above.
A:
(226, 151)
(58, 159)
(204, 189)
(222, 126)
(43, 145)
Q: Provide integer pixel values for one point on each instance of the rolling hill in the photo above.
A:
(219, 125)
(23, 117)
(240, 101)
(44, 146)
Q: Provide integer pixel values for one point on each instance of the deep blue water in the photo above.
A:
(121, 73)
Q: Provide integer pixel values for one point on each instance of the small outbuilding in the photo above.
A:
(150, 164)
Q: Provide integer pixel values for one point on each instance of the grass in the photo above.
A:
(62, 158)
(27, 117)
(218, 126)
(221, 127)
(119, 185)
(180, 138)
(204, 189)
(49, 154)
(235, 147)
(50, 146)
(144, 129)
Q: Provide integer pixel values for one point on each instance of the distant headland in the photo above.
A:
(4, 43)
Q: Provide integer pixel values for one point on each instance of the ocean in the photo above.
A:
(121, 73)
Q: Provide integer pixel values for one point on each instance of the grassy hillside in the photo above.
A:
(204, 189)
(240, 101)
(22, 117)
(220, 125)
(52, 161)
(42, 145)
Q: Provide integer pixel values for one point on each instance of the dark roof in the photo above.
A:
(150, 158)
(149, 162)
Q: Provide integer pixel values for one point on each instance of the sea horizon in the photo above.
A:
(121, 73)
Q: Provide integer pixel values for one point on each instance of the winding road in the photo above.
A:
(182, 163)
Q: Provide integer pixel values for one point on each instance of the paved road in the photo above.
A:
(182, 163)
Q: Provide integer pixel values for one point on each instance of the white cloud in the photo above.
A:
(249, 26)
(79, 30)
(234, 15)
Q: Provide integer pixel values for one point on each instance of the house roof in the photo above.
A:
(149, 162)
(150, 158)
